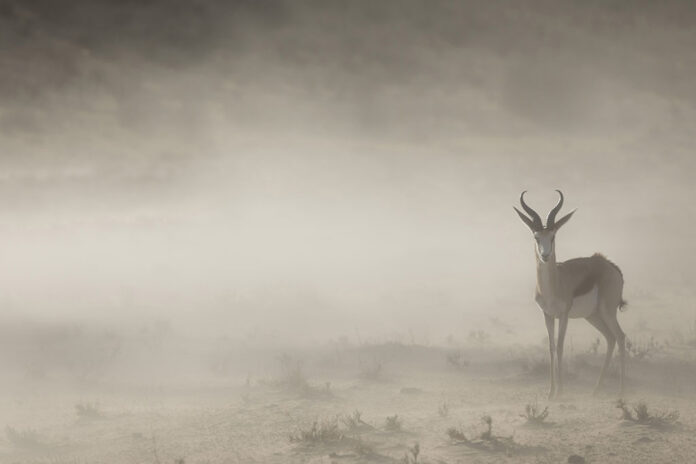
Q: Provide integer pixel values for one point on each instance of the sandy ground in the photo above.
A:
(260, 418)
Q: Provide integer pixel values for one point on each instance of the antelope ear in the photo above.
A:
(525, 219)
(563, 220)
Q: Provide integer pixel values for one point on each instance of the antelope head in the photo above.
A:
(544, 236)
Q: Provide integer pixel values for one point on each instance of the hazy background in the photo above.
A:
(299, 171)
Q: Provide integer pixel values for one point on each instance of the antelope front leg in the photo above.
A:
(562, 326)
(551, 329)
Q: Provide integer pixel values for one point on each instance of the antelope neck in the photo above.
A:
(547, 275)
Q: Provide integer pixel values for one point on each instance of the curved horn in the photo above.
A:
(536, 220)
(551, 219)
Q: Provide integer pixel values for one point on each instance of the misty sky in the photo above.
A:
(246, 168)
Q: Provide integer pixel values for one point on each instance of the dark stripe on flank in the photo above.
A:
(585, 286)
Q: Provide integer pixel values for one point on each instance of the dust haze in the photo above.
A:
(209, 209)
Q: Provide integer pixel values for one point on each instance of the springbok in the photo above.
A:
(588, 287)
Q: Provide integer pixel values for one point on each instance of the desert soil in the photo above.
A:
(259, 418)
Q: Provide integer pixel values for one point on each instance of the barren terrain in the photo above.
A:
(345, 403)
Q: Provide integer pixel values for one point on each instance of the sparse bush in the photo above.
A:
(626, 412)
(457, 434)
(443, 409)
(639, 414)
(372, 372)
(411, 457)
(155, 453)
(393, 423)
(324, 432)
(27, 438)
(536, 367)
(488, 433)
(88, 411)
(354, 421)
(486, 440)
(456, 359)
(692, 334)
(643, 350)
(292, 377)
(293, 380)
(364, 450)
(479, 336)
(59, 349)
(534, 414)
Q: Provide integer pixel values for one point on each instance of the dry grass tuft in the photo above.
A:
(639, 414)
(353, 422)
(365, 450)
(293, 380)
(443, 409)
(393, 423)
(373, 372)
(487, 440)
(534, 414)
(319, 433)
(25, 439)
(456, 359)
(536, 367)
(640, 350)
(479, 337)
(411, 457)
(88, 411)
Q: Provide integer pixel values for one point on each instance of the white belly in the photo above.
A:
(585, 305)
